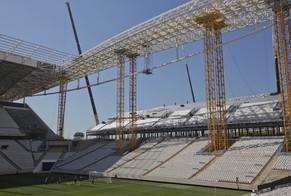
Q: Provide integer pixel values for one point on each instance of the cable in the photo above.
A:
(242, 76)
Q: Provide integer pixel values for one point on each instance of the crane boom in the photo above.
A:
(188, 74)
(86, 77)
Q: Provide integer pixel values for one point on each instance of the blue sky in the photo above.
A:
(249, 67)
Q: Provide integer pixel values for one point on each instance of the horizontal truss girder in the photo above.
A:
(168, 30)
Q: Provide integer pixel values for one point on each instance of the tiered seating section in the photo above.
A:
(130, 156)
(177, 158)
(258, 112)
(147, 160)
(177, 118)
(19, 120)
(171, 159)
(263, 108)
(6, 167)
(283, 163)
(52, 156)
(8, 126)
(200, 117)
(278, 192)
(185, 164)
(26, 119)
(242, 162)
(166, 158)
(86, 159)
(16, 155)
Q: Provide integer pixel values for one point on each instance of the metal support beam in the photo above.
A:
(169, 30)
(62, 106)
(132, 99)
(215, 87)
(148, 60)
(277, 74)
(120, 100)
(282, 50)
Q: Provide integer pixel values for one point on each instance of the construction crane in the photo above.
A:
(86, 77)
(63, 89)
(282, 50)
(189, 78)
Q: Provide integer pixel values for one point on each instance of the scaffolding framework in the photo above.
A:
(121, 54)
(282, 50)
(62, 106)
(132, 99)
(215, 87)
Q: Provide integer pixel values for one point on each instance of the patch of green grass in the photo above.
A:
(31, 184)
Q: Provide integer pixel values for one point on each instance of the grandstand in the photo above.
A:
(171, 146)
(279, 191)
(171, 141)
(245, 115)
(20, 121)
(242, 162)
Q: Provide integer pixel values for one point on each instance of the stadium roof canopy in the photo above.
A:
(168, 30)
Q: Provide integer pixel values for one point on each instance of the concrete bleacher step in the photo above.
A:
(11, 162)
(62, 155)
(277, 174)
(125, 162)
(171, 157)
(22, 145)
(204, 167)
(36, 162)
(75, 156)
(262, 176)
(60, 159)
(94, 162)
(83, 145)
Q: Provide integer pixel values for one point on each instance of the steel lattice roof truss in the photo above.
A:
(171, 29)
(168, 30)
(27, 68)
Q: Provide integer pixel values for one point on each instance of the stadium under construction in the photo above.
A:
(237, 143)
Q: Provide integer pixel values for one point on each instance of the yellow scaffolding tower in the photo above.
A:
(215, 87)
(62, 106)
(120, 100)
(282, 50)
(132, 99)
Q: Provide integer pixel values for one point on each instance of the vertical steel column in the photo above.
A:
(282, 28)
(215, 86)
(132, 99)
(221, 104)
(210, 90)
(120, 100)
(62, 106)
